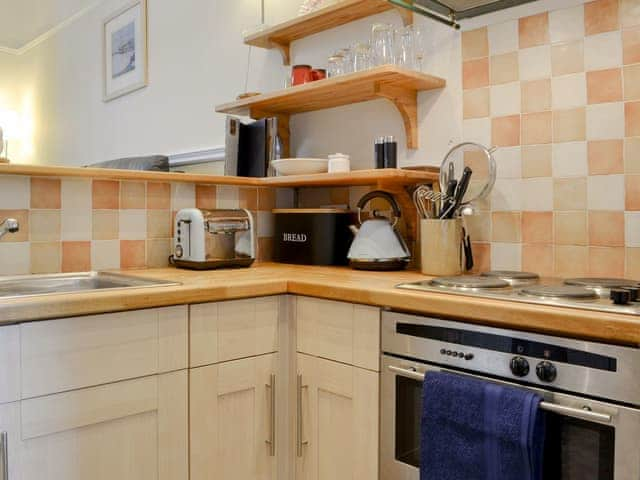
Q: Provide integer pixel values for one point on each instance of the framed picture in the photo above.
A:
(125, 51)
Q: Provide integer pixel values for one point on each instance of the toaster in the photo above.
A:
(208, 239)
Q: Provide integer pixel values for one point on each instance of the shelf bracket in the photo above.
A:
(285, 51)
(406, 15)
(406, 101)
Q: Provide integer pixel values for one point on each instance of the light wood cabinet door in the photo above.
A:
(233, 420)
(337, 429)
(130, 430)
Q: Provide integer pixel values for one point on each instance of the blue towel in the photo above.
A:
(477, 430)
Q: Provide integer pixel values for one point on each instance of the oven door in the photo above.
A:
(586, 439)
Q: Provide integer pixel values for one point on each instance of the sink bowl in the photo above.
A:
(30, 285)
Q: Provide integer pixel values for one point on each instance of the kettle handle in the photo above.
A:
(397, 213)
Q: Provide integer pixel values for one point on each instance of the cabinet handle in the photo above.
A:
(4, 460)
(300, 442)
(272, 427)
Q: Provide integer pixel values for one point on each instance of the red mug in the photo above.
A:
(318, 74)
(301, 74)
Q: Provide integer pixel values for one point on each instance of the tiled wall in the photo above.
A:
(559, 94)
(77, 224)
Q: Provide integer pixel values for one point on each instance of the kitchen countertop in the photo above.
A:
(333, 283)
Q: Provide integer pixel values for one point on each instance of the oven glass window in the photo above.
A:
(408, 415)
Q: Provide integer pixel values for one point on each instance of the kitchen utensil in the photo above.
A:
(460, 191)
(441, 246)
(447, 205)
(382, 35)
(480, 160)
(300, 166)
(377, 244)
(422, 204)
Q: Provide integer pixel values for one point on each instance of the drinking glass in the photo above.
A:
(361, 56)
(347, 54)
(382, 43)
(405, 54)
(419, 46)
(335, 66)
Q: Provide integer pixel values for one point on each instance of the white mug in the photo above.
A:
(339, 162)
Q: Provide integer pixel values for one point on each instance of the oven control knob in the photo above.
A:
(519, 366)
(546, 371)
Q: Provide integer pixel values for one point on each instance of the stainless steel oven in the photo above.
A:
(591, 392)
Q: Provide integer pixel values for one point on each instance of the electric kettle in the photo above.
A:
(377, 244)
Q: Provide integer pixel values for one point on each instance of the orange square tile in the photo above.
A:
(536, 128)
(571, 228)
(537, 227)
(536, 161)
(632, 119)
(206, 196)
(45, 193)
(479, 226)
(632, 269)
(158, 196)
(133, 195)
(570, 261)
(45, 257)
(506, 227)
(629, 13)
(631, 74)
(475, 43)
(505, 131)
(534, 30)
(570, 193)
(631, 46)
(248, 198)
(605, 157)
(76, 257)
(44, 225)
(600, 16)
(538, 258)
(536, 96)
(606, 229)
(632, 155)
(504, 68)
(106, 194)
(567, 58)
(569, 125)
(632, 192)
(22, 216)
(606, 261)
(475, 73)
(481, 257)
(265, 249)
(132, 254)
(475, 103)
(267, 198)
(158, 251)
(604, 86)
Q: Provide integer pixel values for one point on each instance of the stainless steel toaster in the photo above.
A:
(208, 239)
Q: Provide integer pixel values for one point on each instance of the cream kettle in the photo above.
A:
(377, 244)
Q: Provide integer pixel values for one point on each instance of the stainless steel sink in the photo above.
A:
(30, 285)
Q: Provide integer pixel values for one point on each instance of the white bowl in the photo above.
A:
(300, 166)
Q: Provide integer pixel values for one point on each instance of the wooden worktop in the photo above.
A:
(371, 288)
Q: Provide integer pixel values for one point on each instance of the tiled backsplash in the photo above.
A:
(559, 94)
(78, 224)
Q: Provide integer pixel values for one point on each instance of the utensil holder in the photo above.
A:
(441, 247)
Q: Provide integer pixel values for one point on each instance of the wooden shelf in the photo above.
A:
(385, 178)
(398, 85)
(340, 13)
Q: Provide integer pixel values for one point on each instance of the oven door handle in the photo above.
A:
(583, 413)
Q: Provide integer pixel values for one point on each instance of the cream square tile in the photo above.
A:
(44, 225)
(159, 224)
(506, 195)
(566, 24)
(569, 91)
(505, 99)
(605, 121)
(105, 255)
(504, 68)
(632, 155)
(571, 228)
(227, 196)
(629, 13)
(477, 130)
(76, 193)
(570, 194)
(570, 160)
(535, 62)
(15, 192)
(605, 192)
(506, 256)
(15, 258)
(158, 251)
(265, 224)
(632, 229)
(475, 43)
(503, 38)
(603, 51)
(76, 223)
(183, 195)
(133, 224)
(46, 257)
(567, 58)
(536, 161)
(509, 162)
(537, 194)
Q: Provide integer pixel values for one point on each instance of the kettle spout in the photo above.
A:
(354, 230)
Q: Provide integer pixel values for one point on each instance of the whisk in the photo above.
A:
(428, 201)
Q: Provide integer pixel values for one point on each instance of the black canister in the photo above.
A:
(379, 152)
(390, 152)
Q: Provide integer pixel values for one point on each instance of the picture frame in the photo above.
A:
(125, 51)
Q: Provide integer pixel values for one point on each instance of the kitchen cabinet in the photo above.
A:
(234, 410)
(128, 430)
(337, 421)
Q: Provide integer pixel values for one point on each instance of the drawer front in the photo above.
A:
(9, 363)
(73, 353)
(339, 331)
(225, 331)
